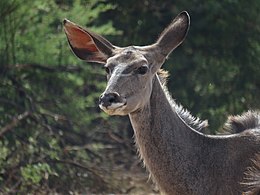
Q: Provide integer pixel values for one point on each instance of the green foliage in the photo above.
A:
(3, 156)
(222, 52)
(53, 136)
(33, 174)
(47, 96)
(25, 37)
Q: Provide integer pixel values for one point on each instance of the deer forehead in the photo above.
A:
(129, 56)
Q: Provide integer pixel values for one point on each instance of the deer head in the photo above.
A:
(130, 70)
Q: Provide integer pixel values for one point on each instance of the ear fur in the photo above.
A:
(87, 45)
(92, 47)
(169, 39)
(174, 34)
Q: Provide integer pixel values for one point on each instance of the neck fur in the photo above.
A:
(178, 156)
(164, 137)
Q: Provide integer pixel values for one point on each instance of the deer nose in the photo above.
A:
(107, 99)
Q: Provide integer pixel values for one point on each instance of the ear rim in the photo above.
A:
(96, 49)
(182, 16)
(156, 51)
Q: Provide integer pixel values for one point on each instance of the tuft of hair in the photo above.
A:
(252, 178)
(239, 123)
(194, 122)
(163, 76)
(185, 115)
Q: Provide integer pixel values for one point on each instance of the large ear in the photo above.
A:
(174, 34)
(87, 45)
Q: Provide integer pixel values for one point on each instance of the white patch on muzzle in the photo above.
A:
(114, 108)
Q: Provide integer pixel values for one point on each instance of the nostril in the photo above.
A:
(108, 99)
(112, 99)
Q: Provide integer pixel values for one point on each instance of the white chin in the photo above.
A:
(114, 109)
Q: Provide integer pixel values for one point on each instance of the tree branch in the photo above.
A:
(14, 122)
(76, 164)
(67, 68)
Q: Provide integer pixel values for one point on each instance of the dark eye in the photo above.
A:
(142, 70)
(107, 70)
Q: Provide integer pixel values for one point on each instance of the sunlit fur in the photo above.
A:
(181, 159)
(193, 121)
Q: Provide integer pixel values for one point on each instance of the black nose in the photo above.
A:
(107, 99)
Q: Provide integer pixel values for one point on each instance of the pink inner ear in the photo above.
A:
(79, 38)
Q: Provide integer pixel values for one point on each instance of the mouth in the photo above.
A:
(114, 108)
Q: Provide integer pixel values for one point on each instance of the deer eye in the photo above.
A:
(107, 70)
(142, 70)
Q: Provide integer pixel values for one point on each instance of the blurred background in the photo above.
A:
(53, 136)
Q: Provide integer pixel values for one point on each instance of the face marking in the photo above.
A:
(128, 75)
(130, 70)
(126, 62)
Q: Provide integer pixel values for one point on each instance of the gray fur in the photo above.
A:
(180, 158)
(252, 178)
(193, 122)
(237, 124)
(184, 161)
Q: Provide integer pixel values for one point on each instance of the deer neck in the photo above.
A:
(163, 139)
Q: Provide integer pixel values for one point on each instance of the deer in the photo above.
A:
(180, 158)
